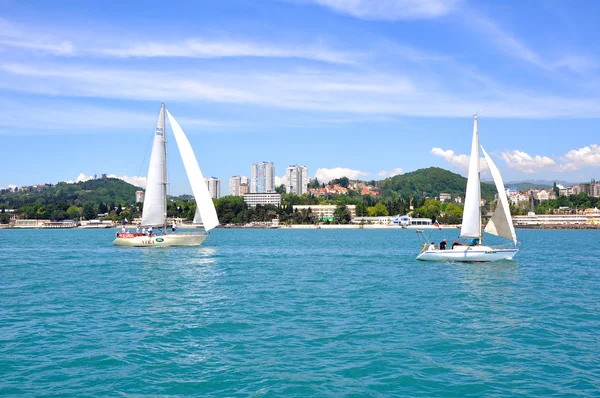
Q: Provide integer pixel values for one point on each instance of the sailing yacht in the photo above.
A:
(154, 213)
(500, 224)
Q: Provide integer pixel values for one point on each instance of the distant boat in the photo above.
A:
(154, 213)
(500, 224)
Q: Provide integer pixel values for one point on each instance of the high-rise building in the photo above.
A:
(297, 179)
(238, 185)
(234, 185)
(214, 187)
(263, 177)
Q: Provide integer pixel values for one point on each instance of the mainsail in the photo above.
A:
(155, 202)
(471, 224)
(205, 209)
(501, 222)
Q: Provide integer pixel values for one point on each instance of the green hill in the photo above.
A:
(52, 201)
(431, 182)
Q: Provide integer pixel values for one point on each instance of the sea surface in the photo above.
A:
(296, 313)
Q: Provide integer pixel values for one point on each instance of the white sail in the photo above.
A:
(155, 202)
(204, 204)
(471, 223)
(501, 222)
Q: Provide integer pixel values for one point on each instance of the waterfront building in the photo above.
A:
(262, 177)
(139, 196)
(214, 187)
(536, 220)
(268, 198)
(408, 221)
(325, 212)
(595, 190)
(297, 177)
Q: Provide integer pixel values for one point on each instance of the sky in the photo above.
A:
(359, 88)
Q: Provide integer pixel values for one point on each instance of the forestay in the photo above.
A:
(205, 208)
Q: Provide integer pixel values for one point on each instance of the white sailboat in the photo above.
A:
(500, 223)
(154, 213)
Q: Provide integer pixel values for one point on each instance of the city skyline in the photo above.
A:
(291, 81)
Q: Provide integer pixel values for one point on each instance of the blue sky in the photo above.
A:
(363, 88)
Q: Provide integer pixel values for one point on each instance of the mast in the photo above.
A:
(471, 226)
(478, 174)
(164, 143)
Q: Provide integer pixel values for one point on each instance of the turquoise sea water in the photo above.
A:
(296, 313)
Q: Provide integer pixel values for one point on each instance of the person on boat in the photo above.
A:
(137, 229)
(144, 231)
(443, 245)
(150, 231)
(432, 246)
(474, 242)
(123, 230)
(174, 226)
(455, 243)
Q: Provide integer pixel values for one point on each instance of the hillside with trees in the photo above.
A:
(70, 200)
(430, 182)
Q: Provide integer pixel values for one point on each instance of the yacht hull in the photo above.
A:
(470, 254)
(160, 240)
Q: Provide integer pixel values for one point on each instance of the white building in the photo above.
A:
(262, 177)
(595, 188)
(325, 212)
(297, 176)
(238, 185)
(271, 198)
(214, 187)
(445, 197)
(408, 221)
(139, 196)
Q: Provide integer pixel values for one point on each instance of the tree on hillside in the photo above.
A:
(342, 181)
(378, 210)
(89, 213)
(314, 183)
(4, 216)
(361, 210)
(73, 212)
(341, 214)
(430, 209)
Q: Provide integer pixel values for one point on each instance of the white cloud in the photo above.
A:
(16, 37)
(526, 163)
(205, 48)
(390, 173)
(582, 157)
(306, 89)
(137, 181)
(281, 180)
(25, 38)
(391, 9)
(326, 175)
(504, 41)
(80, 178)
(460, 161)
